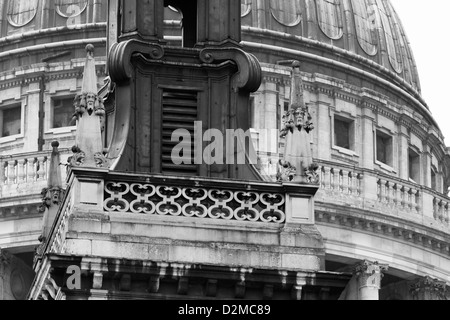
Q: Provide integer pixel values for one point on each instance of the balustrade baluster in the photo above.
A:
(398, 195)
(446, 216)
(321, 177)
(404, 197)
(417, 201)
(441, 211)
(436, 208)
(360, 185)
(21, 171)
(351, 184)
(379, 189)
(42, 168)
(2, 172)
(31, 170)
(391, 193)
(388, 193)
(327, 178)
(12, 172)
(383, 190)
(339, 179)
(413, 202)
(334, 179)
(345, 182)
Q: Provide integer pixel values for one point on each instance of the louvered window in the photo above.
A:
(179, 112)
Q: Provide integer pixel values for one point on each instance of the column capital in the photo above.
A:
(5, 257)
(369, 274)
(428, 288)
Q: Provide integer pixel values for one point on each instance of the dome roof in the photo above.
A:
(368, 32)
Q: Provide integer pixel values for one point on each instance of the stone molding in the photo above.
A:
(380, 225)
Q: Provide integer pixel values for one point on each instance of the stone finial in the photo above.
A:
(428, 289)
(90, 114)
(54, 178)
(53, 194)
(297, 164)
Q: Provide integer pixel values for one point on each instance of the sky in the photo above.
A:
(427, 26)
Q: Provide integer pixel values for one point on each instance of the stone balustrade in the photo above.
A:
(441, 209)
(340, 183)
(341, 180)
(24, 169)
(27, 172)
(401, 195)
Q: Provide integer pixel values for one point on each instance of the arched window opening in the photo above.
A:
(187, 12)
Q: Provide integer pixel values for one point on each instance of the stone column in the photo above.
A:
(428, 289)
(368, 275)
(4, 261)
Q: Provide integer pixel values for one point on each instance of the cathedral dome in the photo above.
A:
(365, 34)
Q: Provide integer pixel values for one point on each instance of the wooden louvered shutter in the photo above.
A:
(179, 111)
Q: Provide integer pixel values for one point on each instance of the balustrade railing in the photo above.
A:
(441, 207)
(341, 180)
(27, 171)
(23, 169)
(399, 194)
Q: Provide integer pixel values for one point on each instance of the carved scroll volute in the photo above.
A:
(249, 75)
(119, 58)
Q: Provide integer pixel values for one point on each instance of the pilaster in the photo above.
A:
(368, 148)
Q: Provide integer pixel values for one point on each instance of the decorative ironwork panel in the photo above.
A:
(194, 202)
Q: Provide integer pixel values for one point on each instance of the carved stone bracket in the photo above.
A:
(119, 59)
(51, 196)
(286, 171)
(101, 161)
(312, 176)
(249, 76)
(77, 159)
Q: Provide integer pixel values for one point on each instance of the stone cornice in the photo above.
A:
(378, 224)
(41, 33)
(25, 210)
(48, 75)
